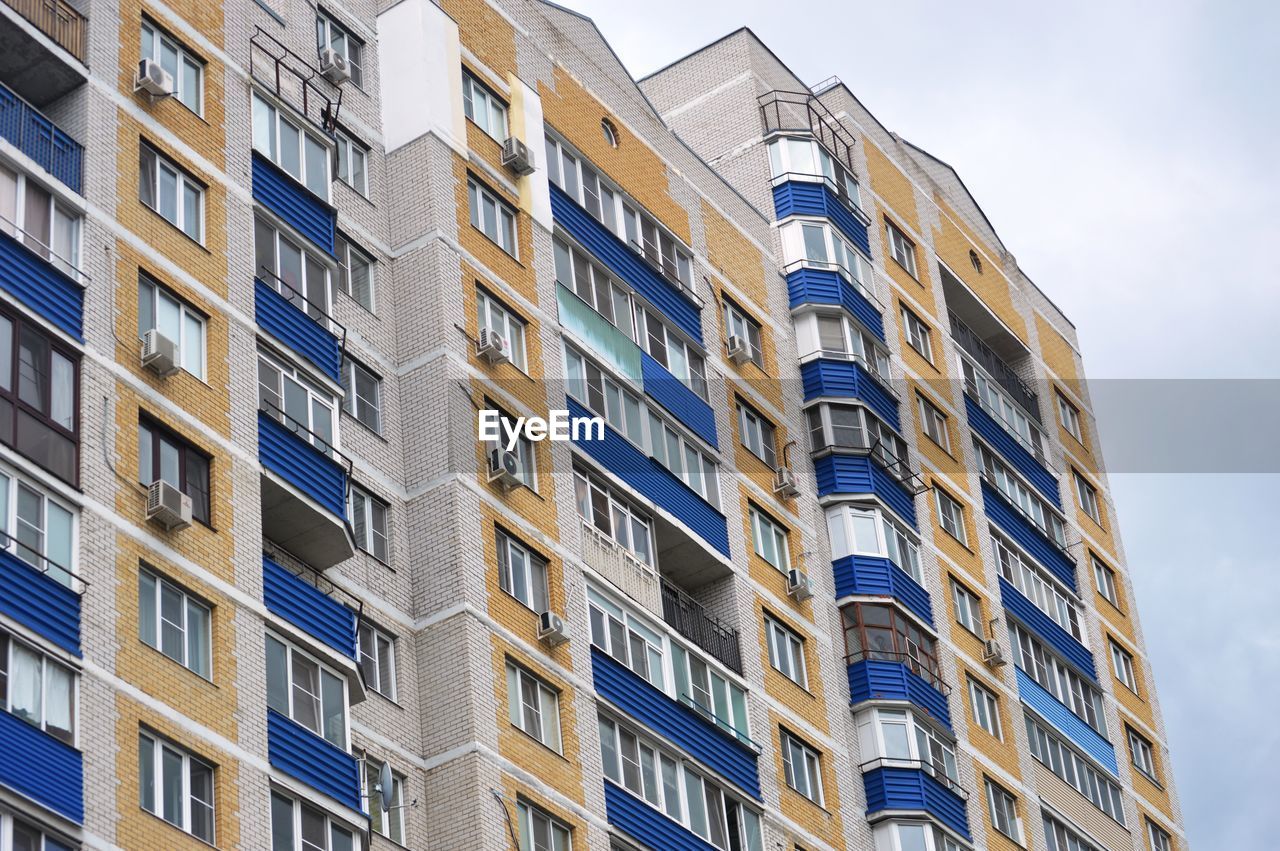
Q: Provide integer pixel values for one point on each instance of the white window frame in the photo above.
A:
(189, 762)
(919, 335)
(268, 121)
(1104, 579)
(913, 742)
(531, 589)
(968, 607)
(1045, 591)
(996, 401)
(934, 423)
(70, 675)
(738, 324)
(292, 651)
(670, 349)
(1122, 665)
(189, 605)
(786, 651)
(11, 483)
(1049, 748)
(806, 777)
(902, 248)
(61, 215)
(835, 253)
(319, 401)
(951, 515)
(370, 637)
(857, 344)
(493, 315)
(391, 822)
(1159, 838)
(985, 707)
(533, 706)
(332, 824)
(182, 184)
(10, 823)
(483, 108)
(365, 506)
(784, 164)
(769, 539)
(757, 434)
(326, 30)
(349, 254)
(351, 152)
(869, 530)
(1142, 754)
(1002, 809)
(526, 456)
(318, 295)
(190, 321)
(892, 451)
(1089, 498)
(506, 227)
(626, 524)
(1069, 417)
(527, 813)
(361, 408)
(1034, 507)
(183, 58)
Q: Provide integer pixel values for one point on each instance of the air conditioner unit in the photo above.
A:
(334, 67)
(168, 506)
(493, 346)
(739, 350)
(159, 353)
(504, 468)
(153, 79)
(784, 483)
(516, 155)
(992, 655)
(799, 585)
(551, 629)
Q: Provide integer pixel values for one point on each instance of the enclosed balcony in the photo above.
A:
(43, 47)
(891, 657)
(300, 324)
(985, 344)
(42, 768)
(1014, 521)
(40, 594)
(898, 787)
(303, 597)
(809, 282)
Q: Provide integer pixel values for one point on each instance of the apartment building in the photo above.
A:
(840, 569)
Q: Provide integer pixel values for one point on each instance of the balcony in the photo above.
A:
(848, 379)
(814, 195)
(801, 112)
(889, 675)
(605, 340)
(28, 130)
(43, 70)
(690, 619)
(299, 324)
(292, 591)
(679, 401)
(1065, 722)
(633, 577)
(45, 599)
(303, 755)
(42, 768)
(871, 471)
(1033, 467)
(809, 282)
(876, 576)
(690, 730)
(304, 490)
(903, 786)
(43, 281)
(973, 343)
(645, 824)
(1014, 522)
(1047, 629)
(294, 204)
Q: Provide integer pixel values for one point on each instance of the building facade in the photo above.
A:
(838, 570)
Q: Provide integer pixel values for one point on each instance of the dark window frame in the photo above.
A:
(13, 395)
(159, 430)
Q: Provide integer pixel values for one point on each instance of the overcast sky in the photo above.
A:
(1125, 152)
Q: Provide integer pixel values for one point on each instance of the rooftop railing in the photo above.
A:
(783, 111)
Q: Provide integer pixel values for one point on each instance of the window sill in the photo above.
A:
(197, 243)
(552, 751)
(357, 303)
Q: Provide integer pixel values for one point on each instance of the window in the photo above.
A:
(1056, 677)
(1023, 497)
(902, 248)
(39, 529)
(332, 35)
(526, 471)
(298, 402)
(898, 735)
(390, 823)
(806, 159)
(1003, 809)
(609, 397)
(627, 638)
(1062, 838)
(757, 434)
(1056, 755)
(968, 608)
(801, 765)
(311, 694)
(668, 348)
(613, 516)
(817, 244)
(540, 831)
(39, 220)
(1105, 580)
(37, 689)
(1160, 839)
(300, 153)
(187, 71)
(918, 334)
(576, 272)
(975, 261)
(171, 192)
(353, 167)
(493, 217)
(1069, 416)
(854, 427)
(881, 632)
(769, 539)
(521, 572)
(859, 530)
(533, 706)
(497, 317)
(377, 659)
(363, 394)
(163, 456)
(673, 449)
(986, 709)
(950, 515)
(1088, 495)
(747, 330)
(1142, 753)
(295, 272)
(355, 272)
(1122, 665)
(174, 622)
(161, 310)
(483, 107)
(21, 835)
(296, 826)
(39, 398)
(987, 392)
(934, 423)
(834, 335)
(1036, 584)
(610, 132)
(786, 652)
(176, 786)
(369, 522)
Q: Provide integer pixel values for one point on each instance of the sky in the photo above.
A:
(1124, 151)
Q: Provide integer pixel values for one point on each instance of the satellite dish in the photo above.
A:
(384, 787)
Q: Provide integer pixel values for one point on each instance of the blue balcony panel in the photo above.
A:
(826, 286)
(1065, 722)
(38, 766)
(624, 262)
(292, 326)
(39, 602)
(1027, 535)
(1063, 642)
(846, 379)
(878, 576)
(620, 457)
(858, 474)
(306, 607)
(293, 203)
(681, 402)
(28, 130)
(302, 465)
(809, 198)
(704, 741)
(646, 825)
(915, 790)
(986, 427)
(879, 679)
(39, 285)
(305, 756)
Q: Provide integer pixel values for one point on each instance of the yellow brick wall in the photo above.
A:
(485, 33)
(767, 576)
(963, 554)
(947, 461)
(1058, 354)
(953, 246)
(893, 187)
(808, 703)
(735, 257)
(1001, 751)
(516, 271)
(525, 386)
(822, 821)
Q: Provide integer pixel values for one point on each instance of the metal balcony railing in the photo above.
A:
(57, 19)
(28, 130)
(919, 765)
(691, 620)
(310, 575)
(316, 313)
(912, 664)
(293, 80)
(36, 245)
(319, 443)
(783, 111)
(41, 563)
(968, 340)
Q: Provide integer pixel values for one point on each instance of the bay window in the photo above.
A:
(1030, 503)
(307, 691)
(37, 689)
(1037, 585)
(870, 531)
(854, 427)
(900, 735)
(298, 826)
(40, 220)
(39, 397)
(614, 516)
(878, 631)
(287, 394)
(37, 527)
(792, 158)
(298, 274)
(1057, 677)
(914, 836)
(835, 335)
(284, 139)
(820, 245)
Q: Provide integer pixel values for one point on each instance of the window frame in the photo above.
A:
(535, 567)
(988, 716)
(302, 294)
(277, 114)
(1045, 591)
(478, 195)
(1069, 417)
(291, 651)
(525, 452)
(918, 334)
(296, 808)
(186, 314)
(892, 539)
(752, 331)
(526, 812)
(1055, 752)
(1142, 754)
(933, 423)
(391, 823)
(792, 746)
(46, 840)
(22, 229)
(1002, 806)
(18, 399)
(616, 507)
(968, 615)
(379, 638)
(347, 251)
(348, 152)
(1159, 838)
(494, 106)
(12, 523)
(546, 712)
(1025, 498)
(1104, 580)
(757, 434)
(1067, 685)
(1122, 665)
(830, 170)
(1088, 497)
(9, 643)
(786, 647)
(368, 509)
(189, 762)
(765, 531)
(513, 327)
(856, 344)
(183, 181)
(900, 243)
(189, 601)
(909, 643)
(315, 393)
(356, 404)
(951, 512)
(160, 435)
(326, 24)
(158, 36)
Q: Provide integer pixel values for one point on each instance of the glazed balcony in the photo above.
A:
(976, 347)
(39, 594)
(893, 676)
(909, 786)
(299, 324)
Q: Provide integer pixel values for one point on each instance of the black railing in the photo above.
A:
(304, 432)
(41, 563)
(911, 663)
(783, 111)
(315, 312)
(691, 620)
(653, 259)
(919, 765)
(294, 80)
(968, 339)
(310, 575)
(1026, 515)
